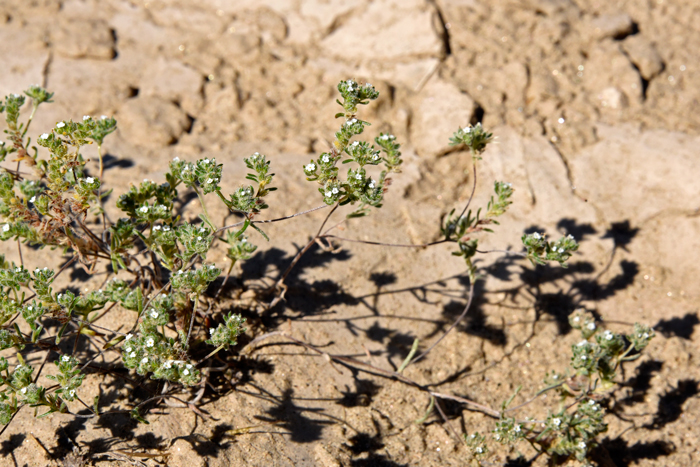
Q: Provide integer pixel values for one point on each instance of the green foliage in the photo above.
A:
(159, 273)
(359, 186)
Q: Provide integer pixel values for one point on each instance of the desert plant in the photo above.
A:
(157, 267)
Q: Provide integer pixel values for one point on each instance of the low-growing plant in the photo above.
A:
(157, 268)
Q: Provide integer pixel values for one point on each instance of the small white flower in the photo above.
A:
(154, 314)
(24, 390)
(86, 117)
(358, 176)
(72, 392)
(32, 199)
(59, 296)
(335, 190)
(144, 360)
(560, 250)
(371, 184)
(6, 228)
(582, 343)
(608, 335)
(168, 365)
(188, 366)
(129, 336)
(368, 85)
(497, 437)
(351, 121)
(212, 331)
(375, 157)
(145, 180)
(467, 129)
(577, 319)
(516, 428)
(179, 272)
(144, 209)
(37, 271)
(30, 308)
(132, 355)
(60, 125)
(166, 228)
(205, 161)
(594, 408)
(570, 237)
(645, 335)
(555, 377)
(328, 194)
(591, 402)
(310, 167)
(103, 117)
(591, 326)
(150, 342)
(385, 137)
(157, 227)
(44, 136)
(556, 422)
(16, 95)
(199, 238)
(584, 358)
(536, 236)
(128, 349)
(186, 372)
(479, 450)
(65, 358)
(325, 158)
(582, 445)
(90, 180)
(355, 144)
(210, 180)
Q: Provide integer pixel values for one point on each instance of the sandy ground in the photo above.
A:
(596, 108)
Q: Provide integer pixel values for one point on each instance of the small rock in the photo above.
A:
(611, 26)
(643, 55)
(441, 108)
(151, 121)
(84, 39)
(397, 33)
(612, 98)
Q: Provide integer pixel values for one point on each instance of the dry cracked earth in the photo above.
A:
(596, 108)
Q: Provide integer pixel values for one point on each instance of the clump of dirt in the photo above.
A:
(595, 105)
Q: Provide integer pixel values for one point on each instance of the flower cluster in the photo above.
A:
(473, 137)
(539, 250)
(69, 378)
(226, 334)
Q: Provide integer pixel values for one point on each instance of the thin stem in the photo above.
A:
(19, 250)
(268, 221)
(99, 154)
(469, 201)
(204, 208)
(305, 249)
(194, 313)
(393, 245)
(464, 313)
(31, 117)
(212, 353)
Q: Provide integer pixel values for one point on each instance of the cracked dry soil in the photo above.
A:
(595, 105)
